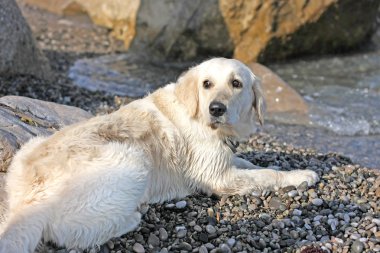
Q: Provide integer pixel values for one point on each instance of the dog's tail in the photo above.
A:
(23, 230)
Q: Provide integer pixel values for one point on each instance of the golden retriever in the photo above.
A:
(84, 184)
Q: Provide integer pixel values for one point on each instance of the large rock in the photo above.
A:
(22, 118)
(248, 30)
(282, 101)
(18, 51)
(272, 30)
(118, 15)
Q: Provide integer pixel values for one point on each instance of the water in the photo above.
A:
(343, 92)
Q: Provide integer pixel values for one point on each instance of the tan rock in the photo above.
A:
(250, 30)
(120, 16)
(266, 30)
(280, 97)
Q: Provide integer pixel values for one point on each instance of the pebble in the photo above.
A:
(297, 212)
(231, 242)
(203, 249)
(357, 247)
(163, 234)
(317, 202)
(153, 240)
(138, 248)
(181, 233)
(181, 204)
(210, 229)
(170, 206)
(293, 193)
(185, 246)
(197, 228)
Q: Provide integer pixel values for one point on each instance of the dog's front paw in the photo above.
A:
(297, 177)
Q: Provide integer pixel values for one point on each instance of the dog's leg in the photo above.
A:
(244, 164)
(242, 181)
(23, 230)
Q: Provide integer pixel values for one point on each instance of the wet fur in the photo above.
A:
(84, 184)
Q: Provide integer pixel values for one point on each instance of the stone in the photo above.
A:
(120, 16)
(185, 246)
(269, 30)
(203, 249)
(163, 234)
(22, 118)
(19, 54)
(280, 98)
(246, 30)
(153, 240)
(357, 247)
(181, 204)
(317, 202)
(210, 229)
(138, 248)
(231, 242)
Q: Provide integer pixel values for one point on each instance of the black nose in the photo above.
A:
(217, 109)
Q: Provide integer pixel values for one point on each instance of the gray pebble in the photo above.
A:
(203, 249)
(163, 234)
(181, 204)
(197, 228)
(317, 202)
(182, 233)
(231, 242)
(110, 244)
(357, 247)
(170, 206)
(185, 246)
(153, 240)
(209, 246)
(297, 212)
(293, 193)
(138, 248)
(210, 229)
(164, 250)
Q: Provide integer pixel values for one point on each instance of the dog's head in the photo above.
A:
(223, 94)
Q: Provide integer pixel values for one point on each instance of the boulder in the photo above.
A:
(245, 29)
(19, 53)
(282, 101)
(274, 30)
(120, 16)
(22, 118)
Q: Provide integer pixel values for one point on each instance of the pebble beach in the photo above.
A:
(341, 213)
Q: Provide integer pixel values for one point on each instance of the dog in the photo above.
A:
(84, 184)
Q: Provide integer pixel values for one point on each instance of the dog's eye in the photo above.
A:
(206, 84)
(237, 84)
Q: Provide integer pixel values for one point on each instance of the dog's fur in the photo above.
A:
(84, 184)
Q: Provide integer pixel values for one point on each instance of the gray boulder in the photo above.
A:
(22, 118)
(19, 53)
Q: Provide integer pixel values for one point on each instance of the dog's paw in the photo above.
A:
(297, 177)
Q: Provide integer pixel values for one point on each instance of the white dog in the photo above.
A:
(84, 184)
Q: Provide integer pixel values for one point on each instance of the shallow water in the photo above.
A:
(343, 94)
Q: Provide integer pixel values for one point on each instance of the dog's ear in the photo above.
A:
(186, 91)
(258, 99)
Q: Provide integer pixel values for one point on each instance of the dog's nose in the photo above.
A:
(217, 109)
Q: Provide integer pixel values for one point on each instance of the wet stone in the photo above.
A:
(138, 248)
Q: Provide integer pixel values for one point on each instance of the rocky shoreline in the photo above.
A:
(340, 214)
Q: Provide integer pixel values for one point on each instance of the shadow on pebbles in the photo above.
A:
(339, 214)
